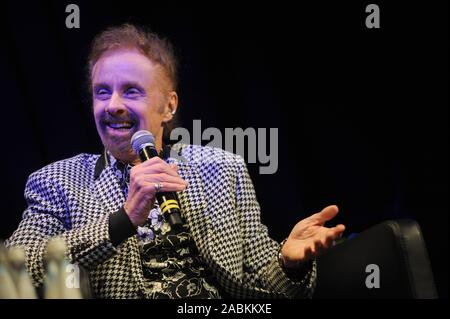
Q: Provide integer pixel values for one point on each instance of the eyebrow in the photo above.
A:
(127, 84)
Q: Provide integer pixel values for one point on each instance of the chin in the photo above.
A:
(121, 150)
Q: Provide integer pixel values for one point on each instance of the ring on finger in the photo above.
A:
(158, 187)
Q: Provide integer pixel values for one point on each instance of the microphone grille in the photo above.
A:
(141, 138)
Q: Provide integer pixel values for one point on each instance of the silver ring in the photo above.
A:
(158, 187)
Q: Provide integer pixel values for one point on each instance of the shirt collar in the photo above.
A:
(106, 159)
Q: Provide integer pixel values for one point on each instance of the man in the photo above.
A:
(104, 206)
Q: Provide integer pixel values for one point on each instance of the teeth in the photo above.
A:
(120, 125)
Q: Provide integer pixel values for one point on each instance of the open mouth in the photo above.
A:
(120, 126)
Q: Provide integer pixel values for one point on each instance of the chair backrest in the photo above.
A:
(389, 260)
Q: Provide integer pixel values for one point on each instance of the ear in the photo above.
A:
(171, 107)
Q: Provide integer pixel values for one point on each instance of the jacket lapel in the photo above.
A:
(107, 189)
(193, 205)
(208, 237)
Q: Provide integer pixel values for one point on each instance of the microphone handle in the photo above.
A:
(168, 201)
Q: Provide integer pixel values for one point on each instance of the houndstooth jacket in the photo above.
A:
(73, 198)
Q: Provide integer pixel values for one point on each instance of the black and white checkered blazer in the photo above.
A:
(74, 198)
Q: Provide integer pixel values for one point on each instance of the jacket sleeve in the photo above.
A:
(261, 267)
(45, 218)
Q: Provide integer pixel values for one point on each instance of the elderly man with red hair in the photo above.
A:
(105, 208)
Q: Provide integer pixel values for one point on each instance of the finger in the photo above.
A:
(338, 230)
(318, 247)
(315, 246)
(335, 235)
(326, 239)
(326, 214)
(152, 161)
(308, 254)
(166, 187)
(328, 242)
(174, 167)
(156, 165)
(163, 178)
(331, 236)
(158, 168)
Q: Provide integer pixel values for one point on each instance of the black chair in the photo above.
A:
(393, 250)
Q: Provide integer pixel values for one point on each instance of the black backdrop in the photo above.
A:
(362, 114)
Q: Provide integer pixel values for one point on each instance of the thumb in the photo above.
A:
(326, 214)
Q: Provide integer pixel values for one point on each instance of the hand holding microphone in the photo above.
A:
(150, 180)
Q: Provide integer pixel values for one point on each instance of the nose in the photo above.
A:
(116, 105)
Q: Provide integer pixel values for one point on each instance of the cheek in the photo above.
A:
(154, 119)
(148, 114)
(156, 112)
(97, 112)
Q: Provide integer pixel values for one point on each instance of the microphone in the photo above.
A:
(142, 143)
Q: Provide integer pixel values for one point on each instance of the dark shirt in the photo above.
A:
(171, 263)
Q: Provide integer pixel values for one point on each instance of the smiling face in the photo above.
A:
(130, 93)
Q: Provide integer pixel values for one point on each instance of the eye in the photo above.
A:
(132, 92)
(102, 93)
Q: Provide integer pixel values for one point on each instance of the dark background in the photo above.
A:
(362, 114)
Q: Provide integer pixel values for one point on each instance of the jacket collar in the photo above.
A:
(192, 201)
(103, 161)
